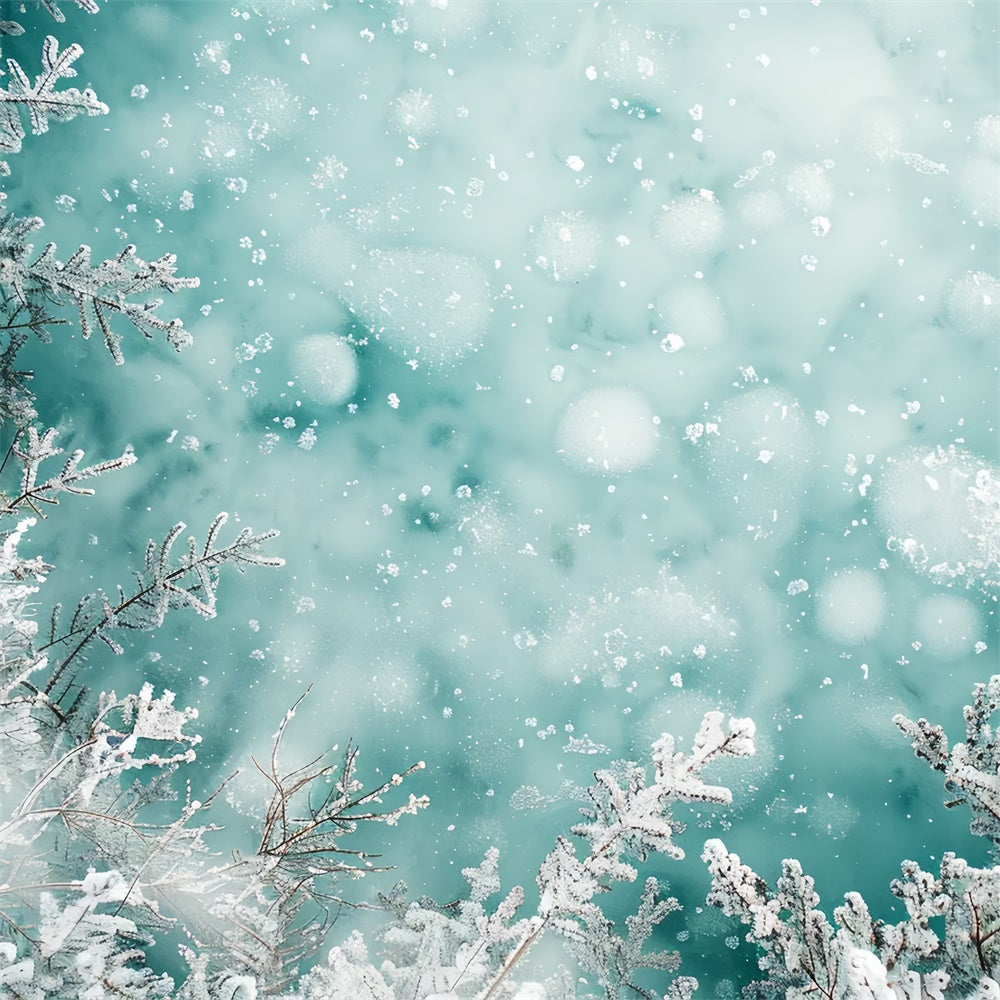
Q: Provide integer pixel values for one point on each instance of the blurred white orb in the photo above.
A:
(850, 606)
(972, 304)
(940, 508)
(692, 223)
(325, 368)
(946, 625)
(608, 430)
(988, 134)
(809, 187)
(566, 245)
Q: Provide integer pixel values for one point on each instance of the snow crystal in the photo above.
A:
(414, 113)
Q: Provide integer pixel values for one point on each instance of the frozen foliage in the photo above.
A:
(42, 100)
(627, 817)
(971, 768)
(104, 850)
(470, 949)
(31, 449)
(856, 956)
(20, 579)
(91, 864)
(165, 582)
(98, 291)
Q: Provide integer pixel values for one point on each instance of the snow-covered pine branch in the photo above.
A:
(634, 818)
(627, 817)
(165, 582)
(41, 99)
(32, 449)
(804, 956)
(89, 6)
(858, 957)
(125, 285)
(971, 768)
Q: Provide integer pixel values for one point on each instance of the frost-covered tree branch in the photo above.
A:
(41, 99)
(125, 285)
(971, 768)
(36, 449)
(189, 581)
(474, 951)
(268, 906)
(805, 955)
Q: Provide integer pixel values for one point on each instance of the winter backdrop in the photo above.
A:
(600, 364)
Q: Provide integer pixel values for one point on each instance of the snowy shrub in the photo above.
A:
(90, 871)
(946, 947)
(106, 851)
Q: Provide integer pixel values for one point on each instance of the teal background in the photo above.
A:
(493, 640)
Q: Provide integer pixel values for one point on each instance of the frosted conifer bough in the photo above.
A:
(971, 768)
(471, 952)
(31, 449)
(41, 99)
(98, 291)
(189, 581)
(804, 955)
